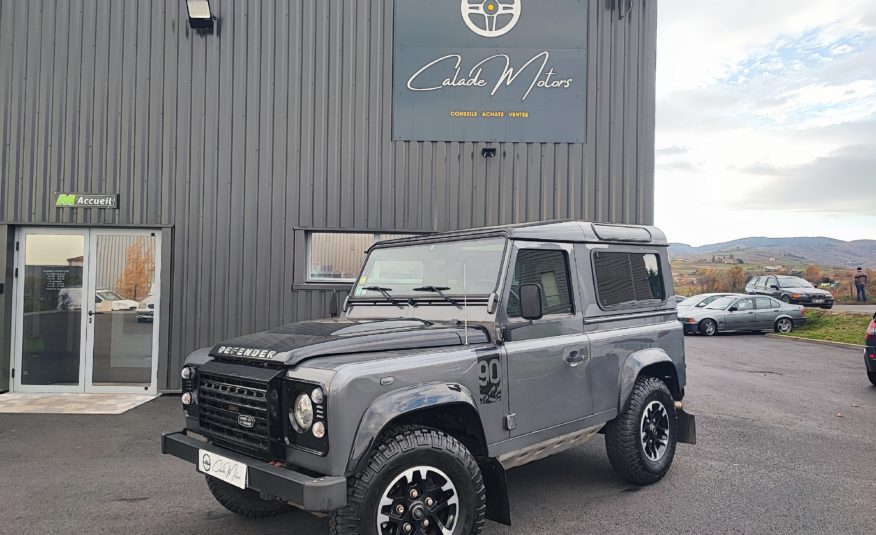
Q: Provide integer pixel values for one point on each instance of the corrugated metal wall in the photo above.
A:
(279, 122)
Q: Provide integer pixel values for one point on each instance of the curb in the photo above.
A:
(821, 342)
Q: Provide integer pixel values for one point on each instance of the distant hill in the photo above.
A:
(787, 251)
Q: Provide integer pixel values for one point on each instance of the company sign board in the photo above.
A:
(86, 200)
(490, 70)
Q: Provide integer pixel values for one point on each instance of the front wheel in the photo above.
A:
(641, 441)
(419, 480)
(872, 377)
(709, 327)
(784, 326)
(786, 299)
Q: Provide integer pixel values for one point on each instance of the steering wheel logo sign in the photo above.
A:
(490, 18)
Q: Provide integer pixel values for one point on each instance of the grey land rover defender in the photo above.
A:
(456, 357)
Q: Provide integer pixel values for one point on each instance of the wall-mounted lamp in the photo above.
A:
(488, 152)
(201, 17)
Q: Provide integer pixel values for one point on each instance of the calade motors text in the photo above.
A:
(456, 357)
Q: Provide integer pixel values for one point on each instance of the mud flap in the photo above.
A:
(687, 427)
(498, 507)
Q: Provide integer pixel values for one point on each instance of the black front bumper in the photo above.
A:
(310, 493)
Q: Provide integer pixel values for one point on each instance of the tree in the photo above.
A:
(710, 281)
(136, 279)
(735, 279)
(812, 274)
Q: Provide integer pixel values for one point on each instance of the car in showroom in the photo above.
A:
(870, 351)
(790, 289)
(742, 313)
(701, 300)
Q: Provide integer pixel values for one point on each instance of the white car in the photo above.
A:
(146, 310)
(110, 301)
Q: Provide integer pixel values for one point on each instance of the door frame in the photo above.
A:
(86, 343)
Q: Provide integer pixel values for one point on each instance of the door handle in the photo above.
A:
(574, 358)
(91, 313)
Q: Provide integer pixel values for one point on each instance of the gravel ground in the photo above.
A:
(787, 444)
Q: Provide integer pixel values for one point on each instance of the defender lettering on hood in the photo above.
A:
(231, 351)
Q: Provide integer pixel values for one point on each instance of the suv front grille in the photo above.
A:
(227, 405)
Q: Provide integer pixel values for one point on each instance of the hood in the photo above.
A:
(293, 343)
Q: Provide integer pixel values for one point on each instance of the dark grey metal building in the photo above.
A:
(248, 168)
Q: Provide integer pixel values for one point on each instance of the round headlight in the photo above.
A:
(187, 398)
(317, 396)
(319, 429)
(303, 413)
(186, 373)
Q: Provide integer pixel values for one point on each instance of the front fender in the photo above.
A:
(391, 405)
(199, 357)
(634, 364)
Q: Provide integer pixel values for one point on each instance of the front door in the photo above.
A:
(549, 360)
(86, 311)
(741, 316)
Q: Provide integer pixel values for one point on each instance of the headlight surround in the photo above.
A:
(302, 413)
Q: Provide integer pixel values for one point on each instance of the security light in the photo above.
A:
(201, 17)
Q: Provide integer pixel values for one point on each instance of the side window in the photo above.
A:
(744, 304)
(771, 281)
(628, 278)
(765, 303)
(755, 282)
(548, 269)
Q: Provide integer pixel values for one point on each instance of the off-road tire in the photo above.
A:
(704, 327)
(403, 448)
(244, 502)
(872, 377)
(623, 439)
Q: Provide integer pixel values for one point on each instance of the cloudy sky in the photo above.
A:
(766, 119)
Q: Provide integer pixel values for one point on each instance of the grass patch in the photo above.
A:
(834, 327)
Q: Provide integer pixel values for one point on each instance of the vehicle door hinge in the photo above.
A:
(13, 373)
(16, 245)
(511, 421)
(16, 273)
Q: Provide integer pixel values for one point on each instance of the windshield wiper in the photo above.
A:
(384, 292)
(440, 291)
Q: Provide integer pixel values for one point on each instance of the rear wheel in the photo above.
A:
(872, 377)
(709, 327)
(244, 502)
(641, 441)
(784, 326)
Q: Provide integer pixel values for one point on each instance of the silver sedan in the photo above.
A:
(738, 313)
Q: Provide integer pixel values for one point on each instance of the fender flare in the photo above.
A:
(634, 364)
(391, 405)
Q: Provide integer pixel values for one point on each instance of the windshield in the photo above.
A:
(106, 295)
(794, 282)
(698, 301)
(721, 303)
(399, 270)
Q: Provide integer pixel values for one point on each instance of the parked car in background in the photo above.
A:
(790, 290)
(870, 351)
(679, 298)
(742, 313)
(110, 301)
(701, 300)
(146, 309)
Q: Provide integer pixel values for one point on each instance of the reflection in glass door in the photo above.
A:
(50, 314)
(87, 310)
(121, 326)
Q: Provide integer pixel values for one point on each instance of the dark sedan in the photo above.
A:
(790, 290)
(870, 351)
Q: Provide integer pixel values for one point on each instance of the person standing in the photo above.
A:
(861, 285)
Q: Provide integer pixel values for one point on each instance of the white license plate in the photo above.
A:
(818, 301)
(222, 468)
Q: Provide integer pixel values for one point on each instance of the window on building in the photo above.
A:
(628, 279)
(338, 256)
(548, 269)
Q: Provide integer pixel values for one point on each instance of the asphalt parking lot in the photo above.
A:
(787, 444)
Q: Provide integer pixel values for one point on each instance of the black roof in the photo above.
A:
(559, 231)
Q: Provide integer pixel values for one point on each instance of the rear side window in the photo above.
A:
(765, 303)
(548, 269)
(628, 279)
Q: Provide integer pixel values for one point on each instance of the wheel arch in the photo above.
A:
(653, 362)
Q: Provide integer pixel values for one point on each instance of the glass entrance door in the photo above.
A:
(87, 309)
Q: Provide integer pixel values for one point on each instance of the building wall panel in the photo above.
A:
(281, 121)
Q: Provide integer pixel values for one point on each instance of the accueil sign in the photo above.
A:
(86, 200)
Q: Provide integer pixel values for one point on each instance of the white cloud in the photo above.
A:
(758, 94)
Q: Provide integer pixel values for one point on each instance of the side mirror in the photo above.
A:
(733, 309)
(530, 302)
(774, 287)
